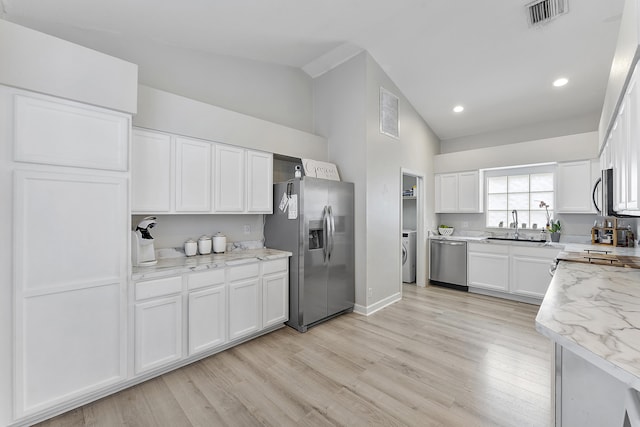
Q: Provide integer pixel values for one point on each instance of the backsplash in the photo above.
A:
(173, 230)
(575, 227)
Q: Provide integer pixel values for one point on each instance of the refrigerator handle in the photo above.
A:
(332, 229)
(325, 233)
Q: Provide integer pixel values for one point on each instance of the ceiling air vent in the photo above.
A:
(542, 11)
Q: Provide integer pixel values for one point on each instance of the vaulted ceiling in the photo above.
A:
(482, 55)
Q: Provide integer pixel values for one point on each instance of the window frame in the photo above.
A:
(547, 168)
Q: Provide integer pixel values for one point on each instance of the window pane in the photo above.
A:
(542, 182)
(518, 201)
(539, 218)
(497, 202)
(497, 184)
(536, 198)
(523, 219)
(518, 183)
(495, 217)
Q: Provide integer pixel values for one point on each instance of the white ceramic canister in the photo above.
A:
(190, 247)
(204, 245)
(219, 243)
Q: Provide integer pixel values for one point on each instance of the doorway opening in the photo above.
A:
(412, 239)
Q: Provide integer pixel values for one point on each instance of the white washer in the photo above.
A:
(408, 256)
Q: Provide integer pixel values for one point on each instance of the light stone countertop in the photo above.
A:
(594, 311)
(179, 265)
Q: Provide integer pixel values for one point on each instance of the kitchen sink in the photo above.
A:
(513, 239)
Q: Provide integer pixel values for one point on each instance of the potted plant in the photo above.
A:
(554, 228)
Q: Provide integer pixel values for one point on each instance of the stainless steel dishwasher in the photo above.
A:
(448, 266)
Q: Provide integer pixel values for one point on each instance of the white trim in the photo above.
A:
(369, 310)
(421, 238)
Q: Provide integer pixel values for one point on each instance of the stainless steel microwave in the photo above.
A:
(602, 197)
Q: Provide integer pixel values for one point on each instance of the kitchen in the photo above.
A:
(378, 209)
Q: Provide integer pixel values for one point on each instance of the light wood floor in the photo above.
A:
(439, 357)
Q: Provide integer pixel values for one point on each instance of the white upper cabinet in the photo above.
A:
(575, 182)
(469, 191)
(172, 174)
(259, 182)
(54, 131)
(458, 192)
(229, 179)
(632, 106)
(151, 172)
(193, 175)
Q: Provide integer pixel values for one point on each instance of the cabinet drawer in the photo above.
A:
(488, 248)
(244, 272)
(156, 288)
(207, 278)
(275, 266)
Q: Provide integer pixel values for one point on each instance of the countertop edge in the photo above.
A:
(555, 311)
(200, 263)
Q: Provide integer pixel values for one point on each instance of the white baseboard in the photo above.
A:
(368, 310)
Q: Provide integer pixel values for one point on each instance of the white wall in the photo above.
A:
(582, 124)
(340, 117)
(41, 63)
(164, 111)
(581, 146)
(275, 93)
(347, 113)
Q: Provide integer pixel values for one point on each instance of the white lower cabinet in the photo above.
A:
(488, 266)
(509, 269)
(245, 309)
(275, 292)
(218, 305)
(207, 319)
(529, 270)
(158, 333)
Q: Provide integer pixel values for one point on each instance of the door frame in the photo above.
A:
(421, 249)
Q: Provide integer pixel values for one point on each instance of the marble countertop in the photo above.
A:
(594, 311)
(179, 265)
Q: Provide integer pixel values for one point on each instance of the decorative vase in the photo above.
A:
(555, 237)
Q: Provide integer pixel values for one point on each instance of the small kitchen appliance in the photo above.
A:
(142, 248)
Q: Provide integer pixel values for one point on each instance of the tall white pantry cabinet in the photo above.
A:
(67, 165)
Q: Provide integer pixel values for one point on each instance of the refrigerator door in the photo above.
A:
(314, 249)
(341, 259)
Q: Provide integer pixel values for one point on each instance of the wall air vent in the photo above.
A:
(542, 11)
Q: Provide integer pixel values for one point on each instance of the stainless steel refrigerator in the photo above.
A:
(321, 238)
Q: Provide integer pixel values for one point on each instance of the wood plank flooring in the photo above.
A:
(439, 357)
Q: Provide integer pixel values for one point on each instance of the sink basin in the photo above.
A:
(513, 239)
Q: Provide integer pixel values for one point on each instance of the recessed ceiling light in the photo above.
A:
(458, 109)
(560, 82)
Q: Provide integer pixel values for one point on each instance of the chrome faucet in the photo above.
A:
(514, 213)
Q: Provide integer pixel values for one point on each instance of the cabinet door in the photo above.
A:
(68, 344)
(489, 270)
(574, 187)
(619, 157)
(469, 191)
(58, 132)
(151, 176)
(259, 182)
(158, 333)
(275, 299)
(245, 315)
(632, 101)
(207, 319)
(193, 175)
(229, 179)
(446, 192)
(530, 275)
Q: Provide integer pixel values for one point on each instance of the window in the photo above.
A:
(515, 190)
